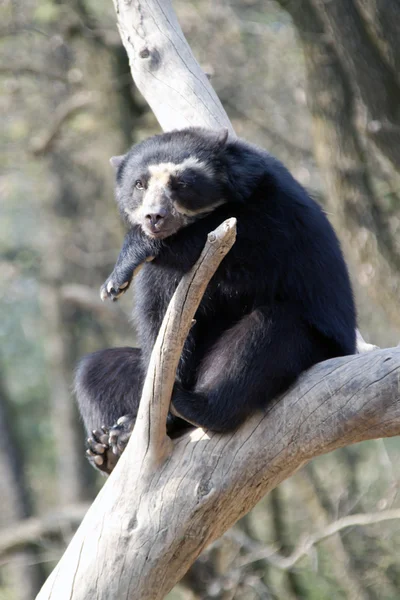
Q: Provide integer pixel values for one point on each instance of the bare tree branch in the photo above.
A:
(32, 71)
(164, 68)
(160, 379)
(32, 531)
(269, 553)
(149, 449)
(43, 142)
(87, 298)
(139, 545)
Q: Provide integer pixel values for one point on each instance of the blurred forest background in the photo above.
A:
(314, 82)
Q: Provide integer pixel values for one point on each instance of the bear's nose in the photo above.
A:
(156, 216)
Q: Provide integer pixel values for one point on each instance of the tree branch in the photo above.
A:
(160, 378)
(147, 453)
(139, 545)
(306, 544)
(164, 68)
(32, 71)
(86, 298)
(44, 142)
(258, 551)
(32, 531)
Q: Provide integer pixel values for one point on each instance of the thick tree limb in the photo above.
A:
(160, 379)
(148, 525)
(164, 68)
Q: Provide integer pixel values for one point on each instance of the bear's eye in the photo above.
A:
(178, 183)
(139, 185)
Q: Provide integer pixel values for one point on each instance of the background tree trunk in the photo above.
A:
(351, 200)
(26, 576)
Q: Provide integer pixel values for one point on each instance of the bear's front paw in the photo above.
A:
(113, 289)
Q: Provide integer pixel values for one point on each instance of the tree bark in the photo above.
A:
(382, 21)
(24, 571)
(340, 153)
(65, 424)
(373, 77)
(167, 500)
(150, 523)
(164, 68)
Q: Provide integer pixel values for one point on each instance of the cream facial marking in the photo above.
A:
(158, 193)
(160, 177)
(162, 170)
(160, 174)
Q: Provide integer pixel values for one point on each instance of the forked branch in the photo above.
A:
(117, 513)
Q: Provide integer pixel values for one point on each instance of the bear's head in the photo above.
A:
(168, 181)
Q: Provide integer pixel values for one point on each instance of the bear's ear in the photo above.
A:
(222, 137)
(216, 137)
(116, 161)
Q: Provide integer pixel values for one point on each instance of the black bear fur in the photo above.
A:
(280, 301)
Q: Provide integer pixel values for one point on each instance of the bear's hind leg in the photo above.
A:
(251, 363)
(108, 387)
